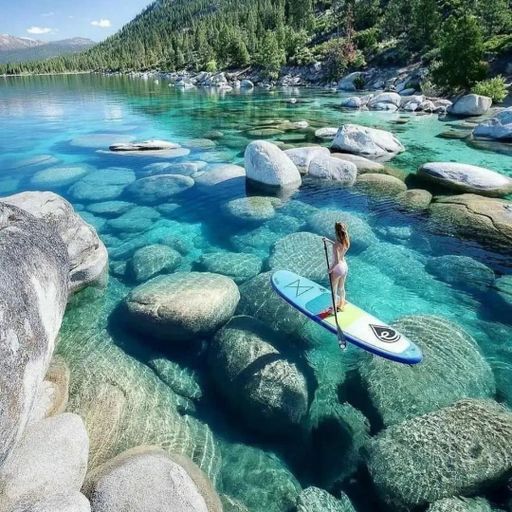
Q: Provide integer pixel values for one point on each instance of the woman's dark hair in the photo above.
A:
(341, 232)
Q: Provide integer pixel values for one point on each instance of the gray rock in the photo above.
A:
(33, 294)
(414, 200)
(385, 101)
(139, 218)
(347, 83)
(67, 502)
(355, 101)
(102, 185)
(171, 482)
(361, 140)
(457, 450)
(498, 127)
(313, 499)
(238, 266)
(461, 271)
(219, 174)
(110, 208)
(151, 260)
(246, 84)
(327, 133)
(302, 157)
(201, 144)
(259, 382)
(363, 164)
(466, 178)
(329, 168)
(88, 256)
(267, 165)
(503, 287)
(182, 306)
(185, 168)
(400, 392)
(360, 232)
(147, 145)
(159, 188)
(56, 177)
(50, 459)
(471, 105)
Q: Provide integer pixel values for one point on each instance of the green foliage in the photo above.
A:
(495, 88)
(211, 66)
(461, 53)
(359, 82)
(367, 40)
(270, 56)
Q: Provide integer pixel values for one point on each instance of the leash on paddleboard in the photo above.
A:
(342, 342)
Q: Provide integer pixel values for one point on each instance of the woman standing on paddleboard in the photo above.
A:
(339, 268)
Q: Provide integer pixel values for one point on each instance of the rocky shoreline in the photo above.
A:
(101, 444)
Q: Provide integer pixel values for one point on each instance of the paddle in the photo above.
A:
(342, 342)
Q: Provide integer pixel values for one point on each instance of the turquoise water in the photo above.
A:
(132, 391)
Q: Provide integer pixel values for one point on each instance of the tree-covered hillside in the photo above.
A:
(454, 37)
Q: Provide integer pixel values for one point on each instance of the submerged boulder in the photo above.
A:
(454, 451)
(56, 177)
(380, 185)
(182, 306)
(238, 266)
(302, 253)
(486, 220)
(313, 499)
(266, 164)
(371, 142)
(219, 174)
(461, 505)
(471, 105)
(65, 502)
(461, 271)
(360, 232)
(251, 209)
(498, 127)
(159, 188)
(50, 459)
(34, 277)
(148, 261)
(453, 368)
(414, 200)
(146, 145)
(171, 482)
(326, 133)
(363, 164)
(102, 185)
(87, 253)
(466, 178)
(256, 378)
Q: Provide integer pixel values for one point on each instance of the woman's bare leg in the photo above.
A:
(335, 286)
(341, 293)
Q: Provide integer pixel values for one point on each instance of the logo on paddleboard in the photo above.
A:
(385, 333)
(300, 289)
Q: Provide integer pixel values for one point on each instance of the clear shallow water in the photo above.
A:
(69, 119)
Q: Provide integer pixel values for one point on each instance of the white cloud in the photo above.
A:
(102, 23)
(39, 30)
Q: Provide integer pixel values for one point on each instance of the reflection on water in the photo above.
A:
(132, 391)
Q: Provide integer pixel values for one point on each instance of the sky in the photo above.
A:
(51, 20)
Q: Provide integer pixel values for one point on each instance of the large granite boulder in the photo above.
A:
(65, 502)
(147, 479)
(466, 178)
(370, 142)
(34, 281)
(88, 257)
(314, 499)
(461, 271)
(385, 101)
(267, 165)
(302, 253)
(329, 168)
(50, 459)
(360, 232)
(56, 177)
(238, 266)
(348, 83)
(302, 157)
(471, 105)
(219, 174)
(159, 188)
(153, 259)
(454, 451)
(146, 145)
(453, 368)
(503, 287)
(251, 209)
(484, 219)
(498, 127)
(414, 200)
(135, 220)
(255, 376)
(363, 164)
(326, 133)
(182, 306)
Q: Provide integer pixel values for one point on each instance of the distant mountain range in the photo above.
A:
(23, 49)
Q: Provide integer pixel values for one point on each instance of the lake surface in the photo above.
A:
(167, 392)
